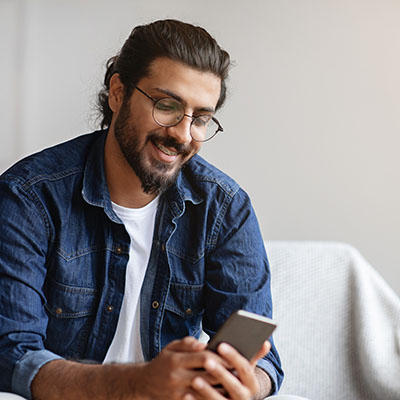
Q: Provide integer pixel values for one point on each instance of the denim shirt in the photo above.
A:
(64, 252)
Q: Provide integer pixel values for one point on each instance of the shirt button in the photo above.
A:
(118, 250)
(155, 304)
(189, 311)
(110, 308)
(163, 247)
(59, 311)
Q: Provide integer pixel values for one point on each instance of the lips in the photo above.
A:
(165, 150)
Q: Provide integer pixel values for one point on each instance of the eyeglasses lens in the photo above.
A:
(169, 112)
(203, 128)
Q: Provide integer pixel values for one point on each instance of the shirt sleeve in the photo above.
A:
(24, 238)
(238, 275)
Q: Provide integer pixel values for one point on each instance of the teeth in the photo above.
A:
(165, 150)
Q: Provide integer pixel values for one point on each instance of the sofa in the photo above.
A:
(338, 324)
(338, 321)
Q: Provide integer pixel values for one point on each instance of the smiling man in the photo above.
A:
(118, 248)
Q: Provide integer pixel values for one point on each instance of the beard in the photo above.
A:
(155, 176)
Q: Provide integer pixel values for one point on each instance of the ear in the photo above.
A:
(116, 93)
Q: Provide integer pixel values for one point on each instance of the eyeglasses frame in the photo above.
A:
(219, 129)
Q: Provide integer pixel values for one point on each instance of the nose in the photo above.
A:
(181, 131)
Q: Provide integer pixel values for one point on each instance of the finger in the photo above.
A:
(205, 390)
(197, 360)
(189, 396)
(202, 373)
(190, 360)
(230, 383)
(188, 343)
(264, 350)
(243, 369)
(192, 395)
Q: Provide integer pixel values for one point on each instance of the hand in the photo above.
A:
(171, 373)
(242, 384)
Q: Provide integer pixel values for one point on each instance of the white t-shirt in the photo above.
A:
(139, 223)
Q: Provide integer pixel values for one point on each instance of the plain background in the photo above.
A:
(311, 120)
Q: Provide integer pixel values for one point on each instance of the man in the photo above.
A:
(120, 246)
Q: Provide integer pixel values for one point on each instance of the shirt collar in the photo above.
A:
(183, 186)
(95, 189)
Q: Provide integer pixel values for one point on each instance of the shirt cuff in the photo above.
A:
(270, 370)
(26, 369)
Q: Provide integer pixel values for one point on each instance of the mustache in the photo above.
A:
(169, 141)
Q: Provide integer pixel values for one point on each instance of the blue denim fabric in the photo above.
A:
(63, 255)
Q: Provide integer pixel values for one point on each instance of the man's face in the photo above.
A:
(156, 154)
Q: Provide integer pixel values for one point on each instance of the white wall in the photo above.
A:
(312, 119)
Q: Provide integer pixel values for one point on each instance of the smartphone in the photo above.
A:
(245, 331)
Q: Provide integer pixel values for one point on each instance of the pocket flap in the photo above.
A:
(69, 301)
(185, 300)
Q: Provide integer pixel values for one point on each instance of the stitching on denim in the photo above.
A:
(52, 177)
(175, 310)
(40, 207)
(195, 289)
(229, 189)
(85, 313)
(76, 289)
(182, 313)
(94, 249)
(30, 193)
(86, 293)
(184, 257)
(188, 286)
(212, 241)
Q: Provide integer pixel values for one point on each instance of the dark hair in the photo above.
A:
(179, 41)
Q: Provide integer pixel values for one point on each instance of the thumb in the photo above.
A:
(264, 350)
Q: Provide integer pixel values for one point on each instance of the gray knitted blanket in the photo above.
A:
(338, 323)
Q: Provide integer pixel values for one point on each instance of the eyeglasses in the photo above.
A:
(168, 112)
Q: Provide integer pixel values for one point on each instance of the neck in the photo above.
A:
(123, 184)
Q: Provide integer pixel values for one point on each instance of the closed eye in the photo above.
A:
(168, 105)
(201, 120)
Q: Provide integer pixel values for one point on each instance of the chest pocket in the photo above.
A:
(71, 312)
(184, 309)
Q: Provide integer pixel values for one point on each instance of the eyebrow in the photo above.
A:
(180, 99)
